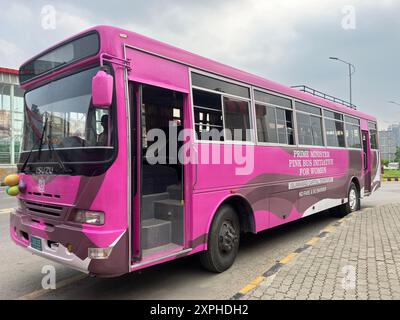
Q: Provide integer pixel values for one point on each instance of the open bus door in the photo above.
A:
(158, 206)
(366, 161)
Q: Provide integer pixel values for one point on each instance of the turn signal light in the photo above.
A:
(99, 253)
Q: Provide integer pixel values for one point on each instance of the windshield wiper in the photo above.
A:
(53, 150)
(40, 141)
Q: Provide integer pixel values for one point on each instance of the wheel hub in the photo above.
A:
(227, 237)
(352, 199)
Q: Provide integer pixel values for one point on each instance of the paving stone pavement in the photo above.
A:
(358, 259)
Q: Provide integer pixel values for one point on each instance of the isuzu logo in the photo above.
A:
(41, 185)
(44, 170)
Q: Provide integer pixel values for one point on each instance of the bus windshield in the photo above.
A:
(72, 122)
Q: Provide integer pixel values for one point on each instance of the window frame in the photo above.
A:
(206, 109)
(252, 113)
(346, 124)
(274, 106)
(58, 46)
(321, 117)
(334, 120)
(376, 135)
(222, 95)
(254, 102)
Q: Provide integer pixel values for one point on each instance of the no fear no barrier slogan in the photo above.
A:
(311, 162)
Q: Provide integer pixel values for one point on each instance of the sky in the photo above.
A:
(287, 41)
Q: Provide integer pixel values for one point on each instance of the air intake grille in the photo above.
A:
(41, 209)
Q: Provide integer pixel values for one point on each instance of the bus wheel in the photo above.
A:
(223, 241)
(353, 203)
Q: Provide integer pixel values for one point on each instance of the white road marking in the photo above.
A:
(4, 211)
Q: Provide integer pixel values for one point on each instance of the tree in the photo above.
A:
(397, 155)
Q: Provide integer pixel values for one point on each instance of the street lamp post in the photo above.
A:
(352, 69)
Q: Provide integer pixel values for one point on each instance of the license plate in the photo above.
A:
(36, 243)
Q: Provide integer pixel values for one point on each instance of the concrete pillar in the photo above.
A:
(12, 146)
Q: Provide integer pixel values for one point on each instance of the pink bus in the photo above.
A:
(136, 152)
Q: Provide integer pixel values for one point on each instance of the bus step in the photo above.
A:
(171, 210)
(175, 191)
(155, 233)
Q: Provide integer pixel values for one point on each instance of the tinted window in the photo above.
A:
(316, 131)
(373, 135)
(352, 120)
(75, 50)
(353, 137)
(207, 100)
(272, 99)
(274, 125)
(207, 111)
(333, 115)
(334, 133)
(236, 119)
(266, 124)
(202, 81)
(307, 108)
(304, 129)
(309, 129)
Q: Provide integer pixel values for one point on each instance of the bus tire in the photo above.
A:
(353, 203)
(223, 241)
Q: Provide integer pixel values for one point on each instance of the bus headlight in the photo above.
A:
(88, 217)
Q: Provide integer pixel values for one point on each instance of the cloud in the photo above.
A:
(15, 13)
(288, 41)
(71, 20)
(9, 54)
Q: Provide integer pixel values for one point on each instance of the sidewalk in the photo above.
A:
(357, 257)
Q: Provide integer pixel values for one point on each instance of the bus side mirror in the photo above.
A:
(102, 89)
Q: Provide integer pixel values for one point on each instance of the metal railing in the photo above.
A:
(5, 158)
(325, 96)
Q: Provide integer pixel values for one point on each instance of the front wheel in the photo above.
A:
(223, 241)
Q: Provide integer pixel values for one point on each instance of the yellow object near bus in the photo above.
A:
(13, 191)
(11, 180)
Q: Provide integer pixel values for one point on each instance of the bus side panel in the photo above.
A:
(284, 183)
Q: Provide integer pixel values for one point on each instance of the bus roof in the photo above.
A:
(140, 42)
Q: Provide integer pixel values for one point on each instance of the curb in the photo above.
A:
(274, 269)
(391, 179)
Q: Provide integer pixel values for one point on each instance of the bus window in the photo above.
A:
(237, 119)
(266, 124)
(334, 129)
(274, 124)
(309, 125)
(353, 136)
(207, 112)
(373, 133)
(218, 117)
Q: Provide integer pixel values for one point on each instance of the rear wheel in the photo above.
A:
(223, 241)
(353, 203)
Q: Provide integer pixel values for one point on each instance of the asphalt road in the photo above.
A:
(20, 272)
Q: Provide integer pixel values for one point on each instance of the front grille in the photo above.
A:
(42, 209)
(47, 195)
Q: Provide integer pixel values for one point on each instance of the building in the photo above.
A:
(11, 119)
(388, 142)
(395, 129)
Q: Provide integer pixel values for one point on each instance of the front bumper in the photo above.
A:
(55, 237)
